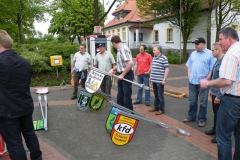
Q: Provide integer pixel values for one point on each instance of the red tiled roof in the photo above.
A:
(132, 16)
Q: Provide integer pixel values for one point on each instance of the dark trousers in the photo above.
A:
(124, 96)
(215, 108)
(11, 130)
(159, 101)
(77, 77)
(106, 85)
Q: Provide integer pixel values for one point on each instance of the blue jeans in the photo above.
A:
(228, 121)
(194, 92)
(11, 130)
(143, 79)
(159, 102)
(124, 96)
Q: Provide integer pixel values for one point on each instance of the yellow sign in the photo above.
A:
(123, 130)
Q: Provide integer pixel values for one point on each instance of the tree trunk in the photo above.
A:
(209, 25)
(19, 23)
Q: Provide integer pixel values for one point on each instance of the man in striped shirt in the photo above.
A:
(228, 121)
(125, 69)
(159, 73)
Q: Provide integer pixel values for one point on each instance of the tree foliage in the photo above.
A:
(17, 16)
(170, 10)
(225, 13)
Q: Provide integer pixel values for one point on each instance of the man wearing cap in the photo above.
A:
(200, 65)
(80, 63)
(104, 61)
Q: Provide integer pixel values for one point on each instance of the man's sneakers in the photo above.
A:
(137, 102)
(74, 97)
(186, 120)
(147, 103)
(201, 124)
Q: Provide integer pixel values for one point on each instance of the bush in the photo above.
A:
(38, 62)
(173, 57)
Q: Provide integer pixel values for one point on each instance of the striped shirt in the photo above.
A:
(230, 69)
(159, 65)
(200, 64)
(123, 55)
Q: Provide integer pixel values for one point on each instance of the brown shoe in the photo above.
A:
(152, 110)
(159, 113)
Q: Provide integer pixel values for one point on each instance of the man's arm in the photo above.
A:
(135, 68)
(165, 76)
(73, 65)
(189, 72)
(218, 83)
(127, 69)
(209, 75)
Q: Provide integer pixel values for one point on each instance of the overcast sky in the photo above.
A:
(43, 27)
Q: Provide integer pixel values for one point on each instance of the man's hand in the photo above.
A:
(163, 82)
(217, 101)
(111, 72)
(203, 83)
(120, 77)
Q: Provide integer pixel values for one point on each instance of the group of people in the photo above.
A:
(206, 69)
(219, 70)
(147, 70)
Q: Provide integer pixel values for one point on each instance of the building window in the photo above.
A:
(155, 36)
(235, 26)
(169, 34)
(118, 32)
(124, 34)
(109, 32)
(140, 37)
(120, 15)
(113, 32)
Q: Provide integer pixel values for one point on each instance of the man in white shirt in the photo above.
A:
(80, 63)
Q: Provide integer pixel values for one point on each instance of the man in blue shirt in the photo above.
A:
(200, 65)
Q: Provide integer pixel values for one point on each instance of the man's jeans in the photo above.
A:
(77, 77)
(228, 121)
(124, 96)
(159, 102)
(11, 130)
(143, 79)
(106, 85)
(194, 92)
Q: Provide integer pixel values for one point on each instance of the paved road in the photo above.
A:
(81, 135)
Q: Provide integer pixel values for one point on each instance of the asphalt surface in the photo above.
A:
(82, 135)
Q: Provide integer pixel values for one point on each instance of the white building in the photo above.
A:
(129, 26)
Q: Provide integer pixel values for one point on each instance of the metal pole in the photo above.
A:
(180, 12)
(139, 32)
(57, 71)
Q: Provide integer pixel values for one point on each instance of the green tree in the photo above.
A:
(90, 10)
(225, 14)
(18, 16)
(170, 10)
